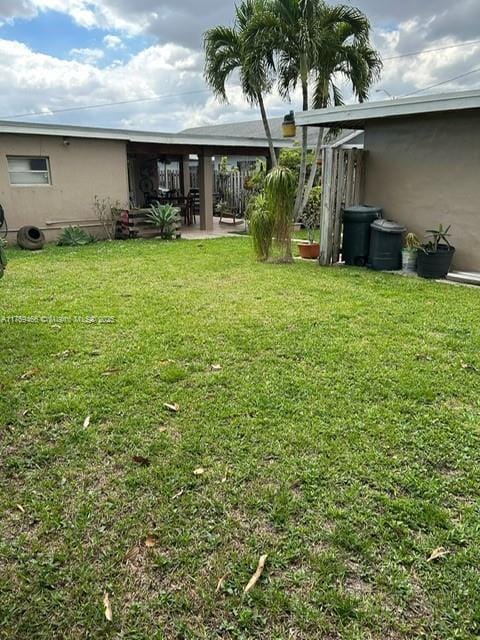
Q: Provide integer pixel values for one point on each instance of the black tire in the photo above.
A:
(30, 238)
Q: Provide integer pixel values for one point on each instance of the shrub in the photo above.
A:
(164, 216)
(261, 226)
(74, 237)
(311, 214)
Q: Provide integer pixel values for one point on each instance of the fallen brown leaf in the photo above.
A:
(177, 495)
(199, 472)
(144, 462)
(20, 508)
(216, 367)
(220, 583)
(132, 553)
(86, 422)
(108, 607)
(469, 367)
(439, 552)
(172, 407)
(256, 576)
(29, 374)
(25, 412)
(150, 541)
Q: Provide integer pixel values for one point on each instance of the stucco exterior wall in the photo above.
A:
(426, 170)
(79, 171)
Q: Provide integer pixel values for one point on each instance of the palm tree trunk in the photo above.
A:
(303, 159)
(268, 131)
(313, 170)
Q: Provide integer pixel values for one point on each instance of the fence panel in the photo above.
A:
(343, 186)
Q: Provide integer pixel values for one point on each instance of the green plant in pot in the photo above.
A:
(311, 221)
(164, 216)
(410, 252)
(3, 257)
(435, 256)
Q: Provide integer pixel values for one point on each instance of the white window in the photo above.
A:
(30, 171)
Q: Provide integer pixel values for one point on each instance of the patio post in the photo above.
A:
(185, 174)
(205, 186)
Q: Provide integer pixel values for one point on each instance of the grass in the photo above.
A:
(340, 437)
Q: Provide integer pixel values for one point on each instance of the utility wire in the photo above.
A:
(200, 91)
(418, 53)
(104, 104)
(439, 84)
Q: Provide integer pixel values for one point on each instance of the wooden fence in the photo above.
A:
(343, 186)
(228, 188)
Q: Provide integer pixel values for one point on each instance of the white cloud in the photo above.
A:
(88, 56)
(113, 42)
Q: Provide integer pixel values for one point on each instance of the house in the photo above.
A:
(422, 162)
(50, 174)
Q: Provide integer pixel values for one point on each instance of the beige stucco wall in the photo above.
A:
(85, 168)
(426, 170)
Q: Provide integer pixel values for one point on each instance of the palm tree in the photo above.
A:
(227, 50)
(313, 42)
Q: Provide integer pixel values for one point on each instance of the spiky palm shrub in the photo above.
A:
(261, 222)
(280, 185)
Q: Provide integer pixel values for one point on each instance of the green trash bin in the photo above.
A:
(356, 233)
(386, 243)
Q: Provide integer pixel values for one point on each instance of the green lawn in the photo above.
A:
(340, 437)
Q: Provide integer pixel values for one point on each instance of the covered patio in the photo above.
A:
(145, 151)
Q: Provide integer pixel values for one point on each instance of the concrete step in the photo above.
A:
(464, 277)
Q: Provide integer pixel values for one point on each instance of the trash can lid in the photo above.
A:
(361, 213)
(388, 226)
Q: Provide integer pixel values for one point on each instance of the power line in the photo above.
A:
(439, 84)
(200, 91)
(104, 104)
(418, 53)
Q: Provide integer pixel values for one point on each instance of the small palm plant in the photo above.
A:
(280, 186)
(261, 224)
(437, 237)
(164, 216)
(311, 213)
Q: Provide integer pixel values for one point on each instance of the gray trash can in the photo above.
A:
(356, 233)
(386, 243)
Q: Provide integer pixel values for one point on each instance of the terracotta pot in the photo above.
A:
(308, 250)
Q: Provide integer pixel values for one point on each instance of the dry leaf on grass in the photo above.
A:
(132, 553)
(141, 460)
(256, 576)
(29, 374)
(25, 412)
(220, 583)
(177, 495)
(439, 552)
(199, 472)
(86, 422)
(469, 367)
(216, 367)
(150, 541)
(224, 479)
(20, 508)
(108, 607)
(162, 429)
(110, 372)
(172, 407)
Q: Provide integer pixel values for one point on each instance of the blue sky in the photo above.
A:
(57, 54)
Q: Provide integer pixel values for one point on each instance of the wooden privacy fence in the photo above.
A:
(343, 179)
(228, 188)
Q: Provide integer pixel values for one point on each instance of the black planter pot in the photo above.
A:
(435, 265)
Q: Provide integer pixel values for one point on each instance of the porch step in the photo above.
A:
(465, 277)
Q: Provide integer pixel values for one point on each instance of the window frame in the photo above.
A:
(30, 171)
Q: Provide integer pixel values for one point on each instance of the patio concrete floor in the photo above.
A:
(193, 232)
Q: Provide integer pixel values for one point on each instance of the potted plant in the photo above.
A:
(409, 253)
(435, 256)
(164, 216)
(311, 220)
(3, 257)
